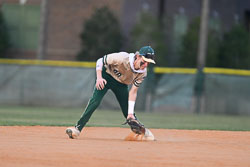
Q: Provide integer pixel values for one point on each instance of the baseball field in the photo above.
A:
(36, 137)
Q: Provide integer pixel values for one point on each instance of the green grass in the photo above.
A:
(68, 117)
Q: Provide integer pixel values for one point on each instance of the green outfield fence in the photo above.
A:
(70, 84)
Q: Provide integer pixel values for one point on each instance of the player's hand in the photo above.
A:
(131, 116)
(100, 83)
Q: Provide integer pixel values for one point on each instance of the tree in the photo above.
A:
(147, 31)
(101, 35)
(4, 38)
(235, 49)
(189, 46)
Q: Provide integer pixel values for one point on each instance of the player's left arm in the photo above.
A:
(131, 101)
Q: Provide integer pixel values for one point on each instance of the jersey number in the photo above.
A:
(117, 73)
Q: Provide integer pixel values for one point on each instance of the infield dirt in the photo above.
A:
(39, 146)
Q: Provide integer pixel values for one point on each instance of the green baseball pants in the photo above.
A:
(120, 90)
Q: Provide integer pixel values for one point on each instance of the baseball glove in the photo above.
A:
(135, 126)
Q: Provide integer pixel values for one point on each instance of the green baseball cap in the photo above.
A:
(148, 54)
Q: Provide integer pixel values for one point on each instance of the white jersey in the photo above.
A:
(121, 67)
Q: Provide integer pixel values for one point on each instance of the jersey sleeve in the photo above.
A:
(99, 64)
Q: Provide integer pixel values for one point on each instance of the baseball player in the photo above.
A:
(116, 71)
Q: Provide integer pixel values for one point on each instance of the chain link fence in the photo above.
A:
(58, 86)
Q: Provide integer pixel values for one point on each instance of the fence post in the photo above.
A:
(43, 30)
(201, 59)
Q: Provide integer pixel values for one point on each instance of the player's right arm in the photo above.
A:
(131, 101)
(100, 82)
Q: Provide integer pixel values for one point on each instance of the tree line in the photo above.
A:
(102, 34)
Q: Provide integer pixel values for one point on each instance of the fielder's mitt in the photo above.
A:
(135, 126)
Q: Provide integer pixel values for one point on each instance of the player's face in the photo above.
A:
(143, 64)
(140, 64)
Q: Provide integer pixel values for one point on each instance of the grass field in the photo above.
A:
(67, 117)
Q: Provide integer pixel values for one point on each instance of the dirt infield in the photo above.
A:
(39, 146)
